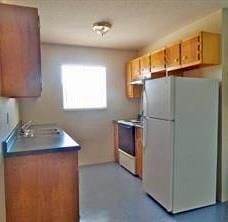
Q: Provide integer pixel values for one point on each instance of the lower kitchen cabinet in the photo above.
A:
(42, 187)
(139, 151)
(116, 142)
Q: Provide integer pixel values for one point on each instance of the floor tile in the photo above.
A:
(108, 193)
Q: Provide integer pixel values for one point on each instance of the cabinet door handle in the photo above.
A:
(176, 60)
(184, 57)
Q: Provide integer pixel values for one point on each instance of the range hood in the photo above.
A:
(142, 79)
(137, 82)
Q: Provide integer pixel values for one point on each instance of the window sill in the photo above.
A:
(86, 109)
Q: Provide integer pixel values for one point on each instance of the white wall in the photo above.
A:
(10, 106)
(92, 128)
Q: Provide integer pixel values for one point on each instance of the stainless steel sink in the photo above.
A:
(41, 130)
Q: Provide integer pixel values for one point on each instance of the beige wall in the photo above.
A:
(10, 106)
(225, 106)
(211, 23)
(92, 128)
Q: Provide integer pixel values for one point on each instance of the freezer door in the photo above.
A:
(158, 159)
(158, 98)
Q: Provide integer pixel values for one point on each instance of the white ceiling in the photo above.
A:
(136, 23)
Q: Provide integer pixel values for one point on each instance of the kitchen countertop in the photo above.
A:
(18, 145)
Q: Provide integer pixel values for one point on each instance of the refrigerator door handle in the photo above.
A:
(145, 132)
(145, 101)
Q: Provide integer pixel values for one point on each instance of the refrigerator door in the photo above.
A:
(158, 159)
(158, 99)
(196, 133)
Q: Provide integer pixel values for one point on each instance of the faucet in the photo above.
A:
(25, 131)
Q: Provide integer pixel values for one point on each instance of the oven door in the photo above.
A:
(126, 134)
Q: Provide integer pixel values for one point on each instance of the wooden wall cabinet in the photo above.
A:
(173, 57)
(145, 64)
(157, 60)
(20, 51)
(190, 50)
(135, 69)
(132, 91)
(201, 49)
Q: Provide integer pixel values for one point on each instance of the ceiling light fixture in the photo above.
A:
(101, 28)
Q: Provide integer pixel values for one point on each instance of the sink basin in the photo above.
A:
(41, 130)
(46, 131)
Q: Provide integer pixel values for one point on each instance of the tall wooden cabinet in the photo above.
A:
(20, 74)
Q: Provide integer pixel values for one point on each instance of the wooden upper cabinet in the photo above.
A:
(129, 88)
(190, 51)
(135, 69)
(20, 51)
(144, 64)
(201, 49)
(157, 61)
(132, 91)
(173, 57)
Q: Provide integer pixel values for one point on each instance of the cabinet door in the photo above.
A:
(173, 58)
(132, 91)
(20, 51)
(129, 88)
(157, 61)
(135, 69)
(190, 51)
(145, 64)
(139, 151)
(116, 142)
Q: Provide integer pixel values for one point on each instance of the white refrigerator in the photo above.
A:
(180, 142)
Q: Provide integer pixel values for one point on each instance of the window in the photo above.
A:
(84, 87)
